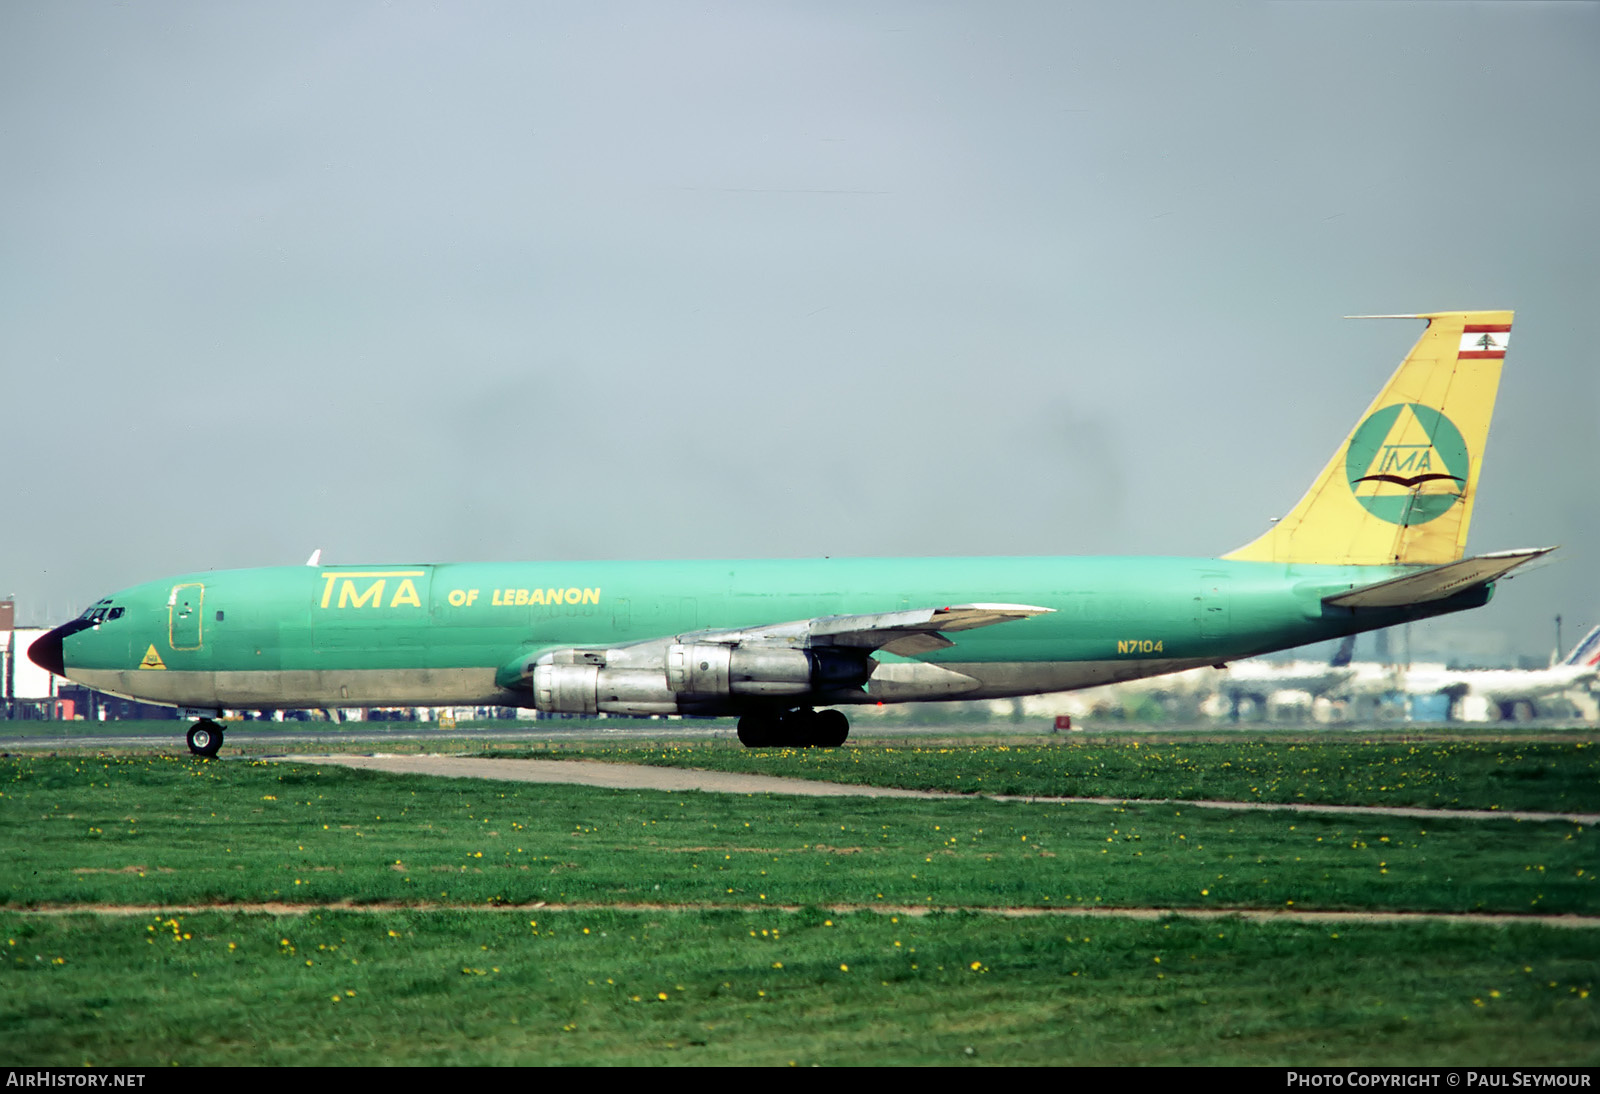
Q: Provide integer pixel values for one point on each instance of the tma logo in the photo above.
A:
(352, 595)
(1407, 464)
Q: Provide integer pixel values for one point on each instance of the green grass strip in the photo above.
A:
(169, 830)
(1457, 774)
(706, 987)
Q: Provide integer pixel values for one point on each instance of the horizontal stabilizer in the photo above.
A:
(1438, 582)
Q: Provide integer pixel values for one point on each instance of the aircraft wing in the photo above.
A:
(1436, 582)
(906, 633)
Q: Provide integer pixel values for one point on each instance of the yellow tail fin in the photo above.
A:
(1401, 487)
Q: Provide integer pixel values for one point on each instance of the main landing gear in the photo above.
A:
(804, 728)
(205, 737)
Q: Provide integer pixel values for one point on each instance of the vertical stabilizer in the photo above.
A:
(1587, 651)
(1402, 486)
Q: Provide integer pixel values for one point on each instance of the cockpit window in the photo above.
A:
(101, 612)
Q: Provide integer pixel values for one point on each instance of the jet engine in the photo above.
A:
(683, 677)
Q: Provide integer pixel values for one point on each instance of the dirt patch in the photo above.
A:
(283, 909)
(752, 850)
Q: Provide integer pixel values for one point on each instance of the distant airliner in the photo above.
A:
(1508, 689)
(1377, 540)
(1259, 680)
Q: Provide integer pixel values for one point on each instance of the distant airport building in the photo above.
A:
(30, 691)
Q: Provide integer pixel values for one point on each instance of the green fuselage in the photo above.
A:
(463, 633)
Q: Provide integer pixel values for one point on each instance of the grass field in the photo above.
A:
(704, 928)
(168, 829)
(1471, 773)
(609, 986)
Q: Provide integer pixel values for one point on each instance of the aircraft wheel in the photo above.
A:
(832, 728)
(757, 729)
(749, 730)
(205, 737)
(799, 729)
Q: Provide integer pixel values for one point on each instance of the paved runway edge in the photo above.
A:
(607, 775)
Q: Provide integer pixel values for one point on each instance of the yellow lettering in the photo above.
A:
(1122, 647)
(519, 597)
(406, 594)
(349, 598)
(458, 597)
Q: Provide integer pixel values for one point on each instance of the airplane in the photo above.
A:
(1260, 680)
(1377, 540)
(1507, 689)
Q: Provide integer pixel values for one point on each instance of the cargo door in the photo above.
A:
(183, 616)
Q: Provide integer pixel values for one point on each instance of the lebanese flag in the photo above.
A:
(1484, 340)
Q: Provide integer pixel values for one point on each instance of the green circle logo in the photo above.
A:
(1407, 464)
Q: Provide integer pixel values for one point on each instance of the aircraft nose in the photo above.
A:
(46, 651)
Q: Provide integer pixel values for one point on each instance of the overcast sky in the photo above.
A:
(428, 282)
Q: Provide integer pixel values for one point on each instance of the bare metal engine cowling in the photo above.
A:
(684, 676)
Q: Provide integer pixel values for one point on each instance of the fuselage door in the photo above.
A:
(183, 616)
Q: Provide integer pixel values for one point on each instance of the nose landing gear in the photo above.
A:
(205, 737)
(803, 728)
